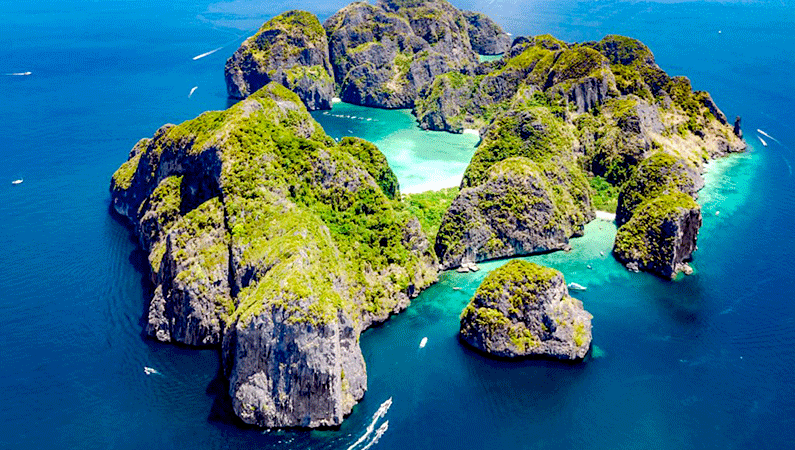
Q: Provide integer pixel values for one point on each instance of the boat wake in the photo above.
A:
(382, 410)
(19, 74)
(192, 91)
(767, 136)
(206, 54)
(762, 140)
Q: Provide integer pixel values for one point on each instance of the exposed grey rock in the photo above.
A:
(661, 235)
(707, 101)
(286, 374)
(291, 49)
(384, 54)
(486, 36)
(523, 309)
(513, 212)
(654, 176)
(238, 257)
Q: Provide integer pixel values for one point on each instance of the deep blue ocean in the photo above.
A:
(705, 362)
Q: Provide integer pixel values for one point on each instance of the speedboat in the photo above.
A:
(577, 287)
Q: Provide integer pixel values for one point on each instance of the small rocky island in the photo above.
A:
(523, 309)
(274, 243)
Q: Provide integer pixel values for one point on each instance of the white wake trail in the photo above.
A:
(19, 74)
(380, 432)
(767, 135)
(206, 54)
(192, 91)
(369, 430)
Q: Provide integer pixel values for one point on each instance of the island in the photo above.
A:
(269, 239)
(521, 310)
(278, 245)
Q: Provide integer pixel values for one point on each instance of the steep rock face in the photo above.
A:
(523, 309)
(579, 78)
(637, 132)
(192, 297)
(522, 193)
(384, 54)
(659, 174)
(515, 211)
(283, 372)
(661, 235)
(265, 234)
(622, 103)
(291, 49)
(486, 37)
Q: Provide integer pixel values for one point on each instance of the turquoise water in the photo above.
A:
(705, 362)
(422, 160)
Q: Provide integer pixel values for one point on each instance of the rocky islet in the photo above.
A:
(524, 310)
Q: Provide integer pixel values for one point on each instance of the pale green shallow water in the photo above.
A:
(422, 160)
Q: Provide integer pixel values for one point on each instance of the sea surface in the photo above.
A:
(704, 362)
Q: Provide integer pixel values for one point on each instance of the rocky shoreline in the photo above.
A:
(268, 239)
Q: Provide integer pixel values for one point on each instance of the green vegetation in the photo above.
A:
(658, 174)
(605, 195)
(123, 176)
(374, 162)
(579, 334)
(317, 226)
(624, 50)
(517, 277)
(646, 237)
(312, 73)
(429, 207)
(577, 63)
(531, 131)
(294, 22)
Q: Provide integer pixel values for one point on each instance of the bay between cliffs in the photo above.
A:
(422, 160)
(642, 325)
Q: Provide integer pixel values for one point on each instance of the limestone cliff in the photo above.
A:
(266, 236)
(656, 175)
(661, 235)
(486, 37)
(523, 309)
(384, 54)
(522, 193)
(290, 49)
(613, 116)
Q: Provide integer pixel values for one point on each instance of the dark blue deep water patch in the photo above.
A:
(705, 362)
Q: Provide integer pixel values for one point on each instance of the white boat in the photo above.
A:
(19, 181)
(762, 141)
(577, 287)
(423, 342)
(150, 371)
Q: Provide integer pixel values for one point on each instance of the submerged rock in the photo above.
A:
(523, 309)
(291, 49)
(266, 236)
